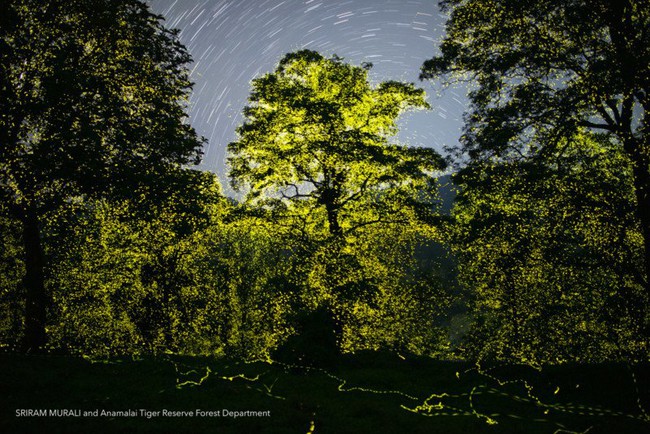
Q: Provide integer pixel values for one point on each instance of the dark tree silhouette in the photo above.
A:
(546, 68)
(92, 102)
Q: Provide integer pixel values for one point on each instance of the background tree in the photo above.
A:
(547, 67)
(120, 282)
(552, 255)
(91, 103)
(240, 282)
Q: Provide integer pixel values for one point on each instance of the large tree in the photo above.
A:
(542, 69)
(92, 102)
(314, 153)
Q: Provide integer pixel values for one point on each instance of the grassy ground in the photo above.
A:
(366, 393)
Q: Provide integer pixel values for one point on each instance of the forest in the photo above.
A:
(518, 259)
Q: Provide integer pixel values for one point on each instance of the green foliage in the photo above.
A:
(118, 281)
(547, 67)
(97, 288)
(193, 276)
(553, 253)
(128, 253)
(239, 275)
(542, 73)
(398, 300)
(93, 99)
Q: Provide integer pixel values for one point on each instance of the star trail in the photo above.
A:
(233, 42)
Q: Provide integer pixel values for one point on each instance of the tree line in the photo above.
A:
(114, 244)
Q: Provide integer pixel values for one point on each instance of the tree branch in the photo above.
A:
(606, 127)
(356, 195)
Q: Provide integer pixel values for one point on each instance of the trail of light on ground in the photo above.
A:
(442, 404)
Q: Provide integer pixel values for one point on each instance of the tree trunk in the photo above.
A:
(333, 220)
(636, 150)
(643, 199)
(34, 280)
(329, 197)
(625, 41)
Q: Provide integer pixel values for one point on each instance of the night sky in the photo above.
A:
(233, 41)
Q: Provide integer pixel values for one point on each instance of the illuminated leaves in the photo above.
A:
(542, 69)
(316, 136)
(542, 73)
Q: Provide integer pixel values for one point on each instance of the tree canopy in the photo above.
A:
(316, 137)
(92, 102)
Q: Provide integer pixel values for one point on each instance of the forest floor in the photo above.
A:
(364, 393)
